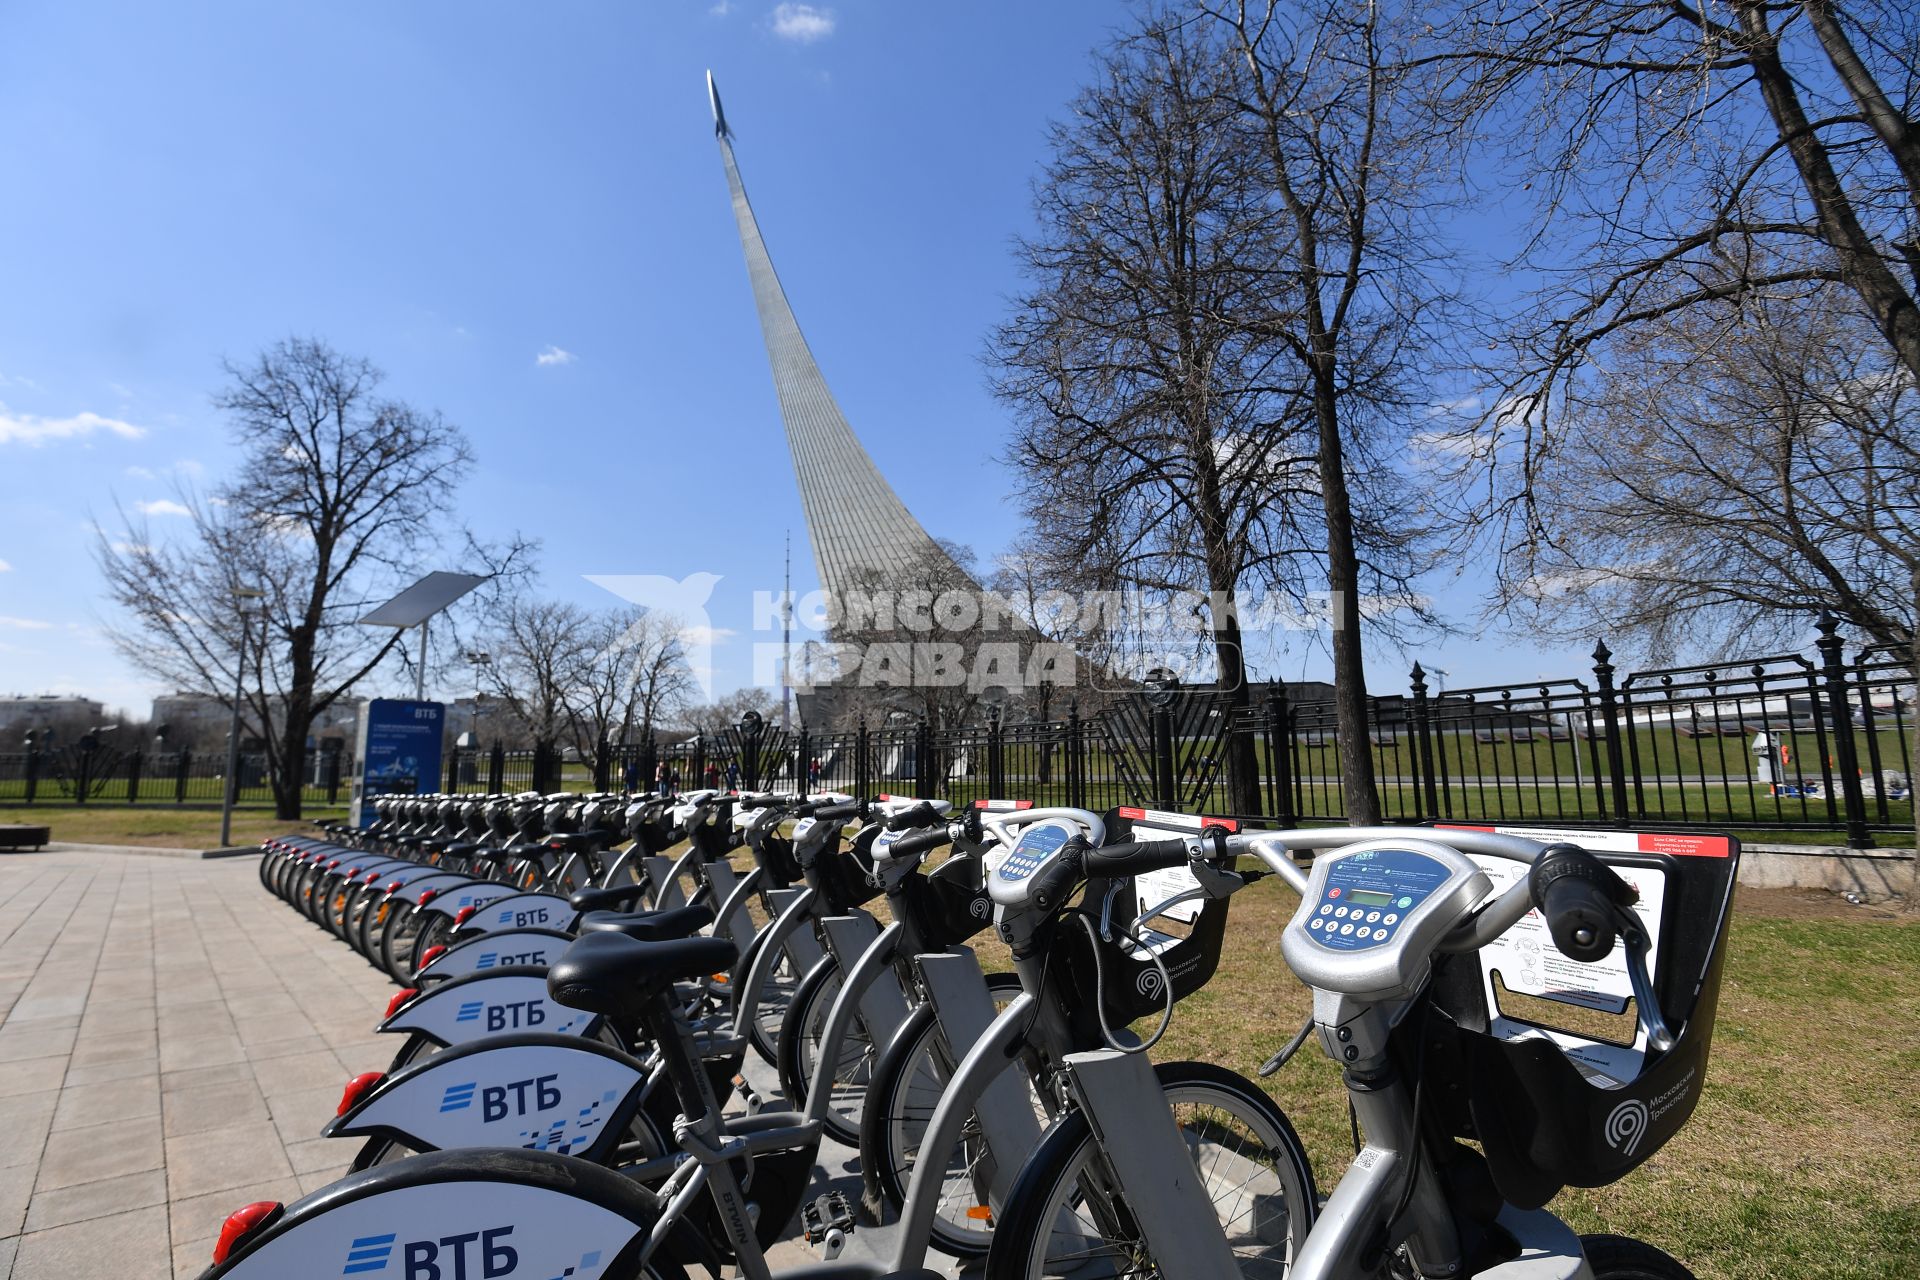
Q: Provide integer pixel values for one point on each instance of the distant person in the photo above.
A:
(661, 778)
(733, 775)
(713, 776)
(813, 774)
(630, 776)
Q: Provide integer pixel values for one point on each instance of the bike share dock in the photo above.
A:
(170, 1044)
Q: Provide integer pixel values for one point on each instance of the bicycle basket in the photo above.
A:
(774, 855)
(1130, 984)
(841, 877)
(1552, 1107)
(950, 903)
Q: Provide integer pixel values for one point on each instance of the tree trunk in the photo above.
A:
(1243, 763)
(1861, 264)
(289, 782)
(1343, 581)
(1910, 889)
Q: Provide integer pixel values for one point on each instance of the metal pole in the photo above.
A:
(233, 740)
(420, 673)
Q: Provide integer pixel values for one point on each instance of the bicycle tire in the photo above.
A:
(906, 1086)
(1259, 1189)
(764, 1031)
(800, 1032)
(1624, 1258)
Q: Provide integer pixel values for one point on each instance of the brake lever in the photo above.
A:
(1659, 1035)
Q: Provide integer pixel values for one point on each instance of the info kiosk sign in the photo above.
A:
(398, 748)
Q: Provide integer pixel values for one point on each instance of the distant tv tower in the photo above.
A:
(786, 639)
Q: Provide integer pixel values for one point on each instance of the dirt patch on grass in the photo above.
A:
(1810, 904)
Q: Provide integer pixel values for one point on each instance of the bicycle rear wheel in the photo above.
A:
(1065, 1218)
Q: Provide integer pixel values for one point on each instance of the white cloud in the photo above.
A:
(722, 8)
(802, 23)
(555, 355)
(162, 507)
(131, 548)
(25, 624)
(140, 473)
(5, 567)
(31, 429)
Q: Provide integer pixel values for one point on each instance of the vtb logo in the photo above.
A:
(471, 1255)
(498, 1101)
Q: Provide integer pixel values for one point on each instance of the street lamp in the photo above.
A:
(241, 595)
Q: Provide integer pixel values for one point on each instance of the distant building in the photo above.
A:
(66, 713)
(198, 721)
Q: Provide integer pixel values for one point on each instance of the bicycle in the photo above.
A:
(1388, 936)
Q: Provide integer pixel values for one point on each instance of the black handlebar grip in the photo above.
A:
(921, 815)
(851, 809)
(1052, 884)
(1132, 857)
(919, 842)
(1578, 895)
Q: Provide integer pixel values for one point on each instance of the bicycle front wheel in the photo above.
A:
(801, 1035)
(1065, 1217)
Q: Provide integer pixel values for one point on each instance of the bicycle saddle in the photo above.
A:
(612, 974)
(647, 926)
(615, 897)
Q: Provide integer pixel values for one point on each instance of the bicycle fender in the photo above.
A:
(539, 1092)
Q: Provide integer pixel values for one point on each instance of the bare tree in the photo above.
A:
(1222, 300)
(714, 719)
(1151, 444)
(340, 493)
(1347, 155)
(633, 675)
(538, 651)
(1682, 156)
(1732, 472)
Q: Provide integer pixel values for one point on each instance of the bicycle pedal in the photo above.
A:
(755, 1103)
(825, 1216)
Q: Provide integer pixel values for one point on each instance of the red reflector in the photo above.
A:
(463, 915)
(242, 1223)
(428, 896)
(372, 876)
(358, 1088)
(430, 955)
(395, 886)
(400, 998)
(333, 864)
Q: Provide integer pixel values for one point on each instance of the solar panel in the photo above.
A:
(422, 600)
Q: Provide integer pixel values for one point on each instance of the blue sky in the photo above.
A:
(456, 190)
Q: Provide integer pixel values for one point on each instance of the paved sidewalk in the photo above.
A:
(172, 1037)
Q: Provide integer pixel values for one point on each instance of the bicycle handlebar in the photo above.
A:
(920, 815)
(919, 842)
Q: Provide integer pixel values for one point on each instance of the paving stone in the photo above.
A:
(34, 1076)
(16, 1192)
(127, 1246)
(132, 1098)
(74, 1156)
(101, 1072)
(100, 1199)
(215, 1107)
(218, 1159)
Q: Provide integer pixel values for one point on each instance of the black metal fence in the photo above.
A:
(95, 773)
(1785, 742)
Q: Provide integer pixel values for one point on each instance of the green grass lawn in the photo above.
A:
(158, 827)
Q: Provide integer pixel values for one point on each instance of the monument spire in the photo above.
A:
(855, 522)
